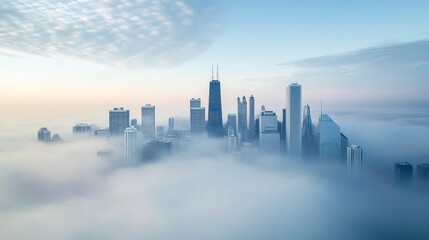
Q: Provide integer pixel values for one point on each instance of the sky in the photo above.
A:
(86, 57)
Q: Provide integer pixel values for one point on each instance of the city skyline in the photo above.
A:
(194, 119)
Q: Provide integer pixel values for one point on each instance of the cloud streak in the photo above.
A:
(125, 33)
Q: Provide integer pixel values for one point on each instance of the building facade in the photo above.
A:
(293, 119)
(269, 136)
(215, 123)
(251, 133)
(148, 121)
(242, 118)
(43, 135)
(119, 120)
(309, 143)
(130, 139)
(329, 138)
(198, 117)
(354, 157)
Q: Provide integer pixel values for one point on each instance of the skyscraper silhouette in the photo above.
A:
(129, 146)
(119, 119)
(293, 122)
(309, 144)
(251, 117)
(148, 121)
(198, 117)
(242, 118)
(215, 124)
(329, 137)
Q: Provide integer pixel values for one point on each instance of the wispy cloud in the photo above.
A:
(129, 33)
(394, 74)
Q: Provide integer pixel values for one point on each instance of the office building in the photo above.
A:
(329, 138)
(251, 133)
(403, 172)
(101, 132)
(170, 126)
(198, 117)
(344, 142)
(242, 118)
(134, 123)
(293, 119)
(215, 123)
(269, 136)
(43, 135)
(283, 143)
(160, 131)
(354, 157)
(119, 120)
(231, 123)
(423, 172)
(195, 103)
(130, 138)
(81, 128)
(309, 143)
(232, 143)
(148, 121)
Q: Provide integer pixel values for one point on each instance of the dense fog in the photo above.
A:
(66, 191)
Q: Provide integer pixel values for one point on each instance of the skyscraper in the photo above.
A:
(344, 142)
(329, 137)
(403, 172)
(231, 123)
(354, 157)
(43, 134)
(293, 119)
(148, 121)
(269, 136)
(423, 172)
(130, 135)
(242, 118)
(119, 120)
(171, 124)
(215, 123)
(309, 144)
(198, 117)
(251, 118)
(195, 103)
(134, 122)
(81, 128)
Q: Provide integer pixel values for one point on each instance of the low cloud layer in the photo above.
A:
(126, 33)
(65, 191)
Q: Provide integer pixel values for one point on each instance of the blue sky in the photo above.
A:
(71, 51)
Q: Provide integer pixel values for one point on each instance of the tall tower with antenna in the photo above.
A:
(215, 123)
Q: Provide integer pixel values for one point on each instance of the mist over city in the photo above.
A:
(127, 119)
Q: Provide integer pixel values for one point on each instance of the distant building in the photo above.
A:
(283, 143)
(344, 142)
(309, 143)
(294, 121)
(43, 135)
(81, 128)
(423, 172)
(119, 120)
(156, 149)
(354, 157)
(148, 121)
(403, 172)
(198, 117)
(242, 118)
(130, 139)
(269, 136)
(251, 118)
(232, 144)
(329, 137)
(215, 123)
(101, 132)
(56, 138)
(134, 123)
(171, 124)
(160, 132)
(195, 103)
(231, 123)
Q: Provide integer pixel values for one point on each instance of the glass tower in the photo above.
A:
(215, 123)
(294, 121)
(119, 119)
